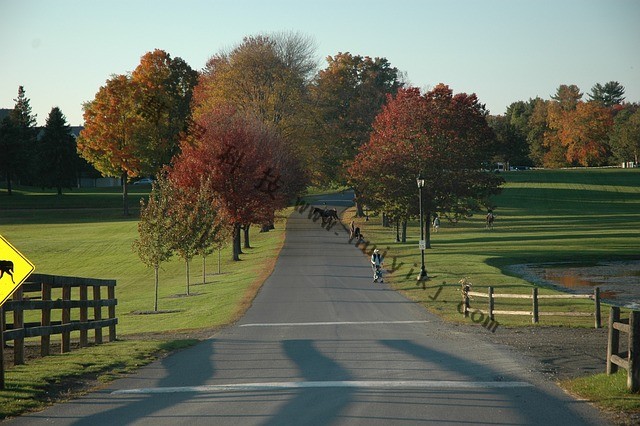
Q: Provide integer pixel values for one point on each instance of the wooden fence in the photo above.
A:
(629, 360)
(535, 305)
(53, 295)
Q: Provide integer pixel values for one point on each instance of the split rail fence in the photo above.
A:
(64, 306)
(535, 298)
(629, 360)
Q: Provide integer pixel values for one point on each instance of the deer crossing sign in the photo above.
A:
(14, 269)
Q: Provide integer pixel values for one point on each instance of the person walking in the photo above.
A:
(376, 266)
(436, 223)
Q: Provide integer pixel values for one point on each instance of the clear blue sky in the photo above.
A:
(62, 51)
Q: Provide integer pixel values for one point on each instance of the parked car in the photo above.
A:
(143, 181)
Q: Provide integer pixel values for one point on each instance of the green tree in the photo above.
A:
(57, 156)
(567, 96)
(196, 223)
(17, 140)
(625, 136)
(608, 95)
(153, 244)
(348, 95)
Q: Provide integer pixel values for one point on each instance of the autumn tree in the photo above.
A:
(608, 95)
(56, 152)
(133, 125)
(111, 139)
(348, 94)
(238, 153)
(165, 89)
(153, 244)
(584, 133)
(265, 76)
(442, 136)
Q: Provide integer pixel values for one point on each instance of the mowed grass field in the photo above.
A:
(84, 234)
(581, 215)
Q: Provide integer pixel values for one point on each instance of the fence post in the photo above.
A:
(596, 296)
(633, 375)
(45, 320)
(1, 347)
(111, 294)
(534, 296)
(491, 303)
(613, 341)
(84, 316)
(97, 312)
(466, 305)
(66, 319)
(18, 322)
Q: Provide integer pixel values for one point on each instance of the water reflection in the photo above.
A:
(618, 281)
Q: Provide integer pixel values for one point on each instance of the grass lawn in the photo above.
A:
(542, 216)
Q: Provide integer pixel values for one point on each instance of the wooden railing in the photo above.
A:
(535, 298)
(52, 297)
(629, 360)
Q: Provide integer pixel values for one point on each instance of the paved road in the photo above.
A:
(324, 345)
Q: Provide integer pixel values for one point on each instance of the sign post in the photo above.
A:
(14, 270)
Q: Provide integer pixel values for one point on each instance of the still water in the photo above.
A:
(619, 282)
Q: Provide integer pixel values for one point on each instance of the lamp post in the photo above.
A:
(423, 272)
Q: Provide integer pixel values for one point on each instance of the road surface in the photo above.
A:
(323, 345)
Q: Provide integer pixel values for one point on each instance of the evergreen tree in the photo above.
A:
(17, 140)
(57, 157)
(612, 93)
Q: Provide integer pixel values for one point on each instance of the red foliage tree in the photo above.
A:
(442, 136)
(241, 160)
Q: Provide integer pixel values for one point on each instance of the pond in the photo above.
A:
(619, 281)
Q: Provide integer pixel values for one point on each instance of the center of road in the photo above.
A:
(363, 384)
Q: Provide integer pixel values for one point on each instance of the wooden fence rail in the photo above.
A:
(37, 295)
(629, 360)
(535, 309)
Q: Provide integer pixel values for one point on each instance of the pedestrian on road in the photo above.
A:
(376, 265)
(436, 223)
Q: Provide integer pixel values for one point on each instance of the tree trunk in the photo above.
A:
(246, 236)
(187, 263)
(404, 231)
(427, 231)
(155, 303)
(359, 209)
(204, 269)
(236, 242)
(125, 193)
(397, 230)
(385, 220)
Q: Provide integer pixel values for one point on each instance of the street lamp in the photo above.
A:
(423, 272)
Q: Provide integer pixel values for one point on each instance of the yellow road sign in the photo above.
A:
(14, 269)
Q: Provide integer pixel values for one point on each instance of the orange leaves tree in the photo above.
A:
(442, 136)
(133, 125)
(110, 139)
(241, 159)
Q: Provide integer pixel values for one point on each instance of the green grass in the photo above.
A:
(542, 216)
(607, 392)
